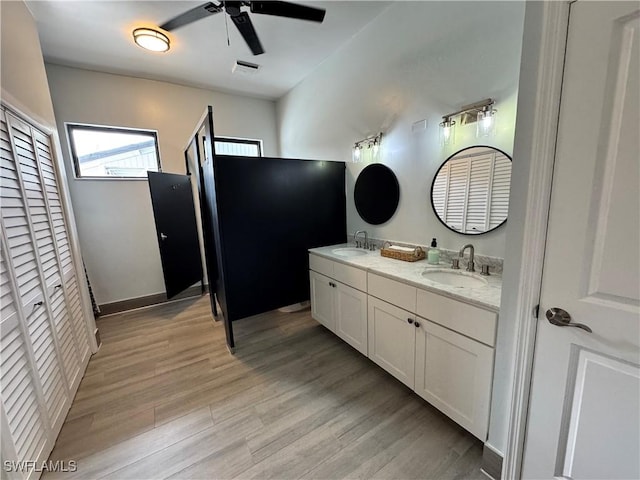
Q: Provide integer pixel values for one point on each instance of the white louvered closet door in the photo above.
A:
(479, 193)
(64, 293)
(28, 251)
(24, 415)
(500, 188)
(47, 317)
(456, 211)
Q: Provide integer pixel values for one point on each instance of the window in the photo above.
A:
(238, 146)
(109, 152)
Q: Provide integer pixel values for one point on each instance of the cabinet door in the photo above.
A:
(322, 300)
(392, 339)
(351, 316)
(454, 374)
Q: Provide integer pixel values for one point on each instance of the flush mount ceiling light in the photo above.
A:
(151, 39)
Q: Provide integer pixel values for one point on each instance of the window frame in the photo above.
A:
(246, 141)
(69, 126)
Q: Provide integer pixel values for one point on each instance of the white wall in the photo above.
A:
(416, 60)
(115, 219)
(23, 76)
(25, 87)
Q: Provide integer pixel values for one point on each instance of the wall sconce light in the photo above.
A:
(370, 144)
(485, 126)
(447, 131)
(151, 39)
(481, 112)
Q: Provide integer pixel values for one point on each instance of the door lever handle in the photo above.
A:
(163, 237)
(561, 318)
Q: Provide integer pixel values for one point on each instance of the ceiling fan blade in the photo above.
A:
(191, 16)
(244, 25)
(290, 10)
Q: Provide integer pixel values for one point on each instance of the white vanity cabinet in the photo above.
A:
(335, 304)
(441, 348)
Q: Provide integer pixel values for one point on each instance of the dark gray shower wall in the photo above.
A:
(270, 212)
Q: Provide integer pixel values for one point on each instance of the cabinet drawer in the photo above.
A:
(352, 276)
(466, 319)
(321, 265)
(396, 293)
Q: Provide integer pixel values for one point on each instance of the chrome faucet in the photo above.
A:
(366, 239)
(471, 265)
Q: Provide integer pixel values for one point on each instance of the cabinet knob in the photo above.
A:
(409, 320)
(417, 324)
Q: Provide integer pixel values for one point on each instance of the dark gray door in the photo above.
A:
(176, 230)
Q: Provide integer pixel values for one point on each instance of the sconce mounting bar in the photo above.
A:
(472, 107)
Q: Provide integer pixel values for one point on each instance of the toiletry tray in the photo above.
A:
(417, 254)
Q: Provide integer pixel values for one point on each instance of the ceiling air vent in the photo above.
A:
(246, 68)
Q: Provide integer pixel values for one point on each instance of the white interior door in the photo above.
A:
(584, 417)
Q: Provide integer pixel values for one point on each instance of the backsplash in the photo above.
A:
(446, 255)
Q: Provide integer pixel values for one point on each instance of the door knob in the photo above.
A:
(561, 318)
(410, 320)
(163, 237)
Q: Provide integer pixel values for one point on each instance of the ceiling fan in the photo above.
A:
(241, 18)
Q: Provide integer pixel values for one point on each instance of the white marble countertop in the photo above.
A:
(487, 297)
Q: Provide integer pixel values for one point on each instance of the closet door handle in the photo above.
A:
(409, 321)
(38, 304)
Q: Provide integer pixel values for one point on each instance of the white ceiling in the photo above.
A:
(97, 35)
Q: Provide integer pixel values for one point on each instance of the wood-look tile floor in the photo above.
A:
(163, 398)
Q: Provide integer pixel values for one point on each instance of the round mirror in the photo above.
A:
(376, 194)
(470, 192)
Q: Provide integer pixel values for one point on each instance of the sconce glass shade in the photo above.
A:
(376, 149)
(485, 125)
(150, 39)
(447, 132)
(357, 153)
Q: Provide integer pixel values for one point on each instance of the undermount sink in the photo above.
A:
(349, 252)
(455, 279)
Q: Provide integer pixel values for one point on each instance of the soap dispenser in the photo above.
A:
(433, 256)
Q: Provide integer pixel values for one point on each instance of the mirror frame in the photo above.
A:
(433, 207)
(395, 186)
